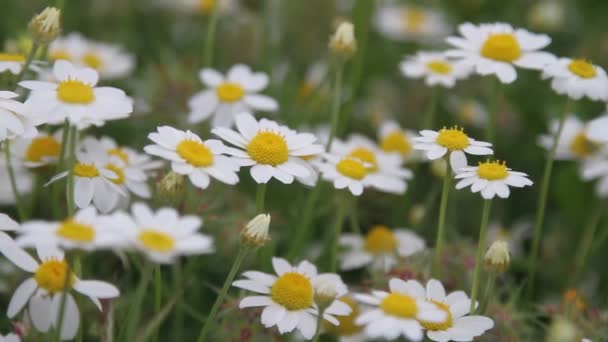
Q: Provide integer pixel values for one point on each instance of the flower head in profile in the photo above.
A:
(468, 111)
(41, 150)
(227, 96)
(573, 143)
(43, 291)
(288, 296)
(381, 247)
(16, 120)
(272, 150)
(452, 141)
(491, 178)
(14, 63)
(394, 139)
(435, 68)
(577, 78)
(411, 23)
(498, 48)
(74, 97)
(347, 330)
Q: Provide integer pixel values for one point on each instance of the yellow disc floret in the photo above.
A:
(439, 67)
(206, 6)
(582, 68)
(75, 231)
(413, 19)
(75, 92)
(367, 156)
(12, 57)
(124, 156)
(268, 148)
(156, 241)
(120, 173)
(52, 274)
(581, 146)
(453, 139)
(195, 153)
(92, 60)
(494, 170)
(229, 92)
(59, 54)
(441, 326)
(351, 168)
(396, 141)
(400, 305)
(42, 147)
(380, 240)
(292, 290)
(502, 47)
(86, 170)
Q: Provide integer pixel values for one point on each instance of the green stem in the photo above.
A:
(137, 302)
(481, 247)
(319, 322)
(587, 240)
(64, 296)
(445, 192)
(335, 106)
(260, 197)
(429, 116)
(354, 217)
(488, 293)
(491, 127)
(178, 323)
(158, 292)
(220, 298)
(11, 175)
(28, 61)
(55, 190)
(542, 201)
(302, 232)
(78, 273)
(71, 162)
(210, 38)
(364, 10)
(335, 241)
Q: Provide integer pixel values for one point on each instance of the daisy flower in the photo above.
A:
(573, 143)
(381, 247)
(163, 235)
(75, 97)
(457, 326)
(6, 224)
(14, 62)
(597, 128)
(86, 231)
(394, 139)
(468, 111)
(345, 173)
(313, 80)
(16, 119)
(68, 47)
(397, 313)
(110, 60)
(410, 23)
(491, 178)
(190, 156)
(270, 149)
(129, 156)
(44, 290)
(288, 296)
(597, 168)
(23, 180)
(452, 141)
(435, 68)
(347, 330)
(514, 236)
(498, 48)
(227, 96)
(38, 151)
(577, 78)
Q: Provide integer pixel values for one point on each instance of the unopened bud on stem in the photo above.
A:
(497, 258)
(46, 26)
(343, 42)
(255, 233)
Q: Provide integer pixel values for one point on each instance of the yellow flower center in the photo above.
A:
(156, 241)
(120, 154)
(396, 142)
(86, 170)
(380, 240)
(12, 57)
(229, 92)
(502, 47)
(399, 305)
(581, 146)
(367, 156)
(75, 231)
(60, 54)
(293, 291)
(492, 170)
(41, 147)
(445, 325)
(347, 326)
(120, 179)
(92, 60)
(413, 19)
(51, 275)
(467, 111)
(195, 153)
(206, 6)
(582, 68)
(268, 148)
(453, 139)
(439, 67)
(75, 92)
(351, 168)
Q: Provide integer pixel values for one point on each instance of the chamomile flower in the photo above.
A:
(410, 23)
(67, 48)
(457, 326)
(74, 97)
(16, 120)
(94, 181)
(397, 313)
(288, 297)
(190, 156)
(225, 97)
(110, 60)
(498, 48)
(596, 168)
(514, 236)
(491, 178)
(452, 141)
(45, 289)
(270, 149)
(129, 156)
(347, 330)
(23, 180)
(6, 224)
(163, 235)
(577, 78)
(597, 128)
(394, 139)
(13, 63)
(87, 230)
(435, 68)
(573, 143)
(38, 151)
(468, 111)
(381, 247)
(313, 81)
(345, 173)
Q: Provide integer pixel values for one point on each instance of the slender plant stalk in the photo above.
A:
(220, 298)
(70, 166)
(542, 201)
(481, 247)
(354, 216)
(158, 292)
(137, 303)
(429, 116)
(178, 323)
(210, 38)
(588, 237)
(302, 232)
(319, 322)
(335, 240)
(260, 197)
(11, 175)
(55, 188)
(364, 10)
(443, 206)
(336, 102)
(64, 295)
(78, 272)
(488, 293)
(28, 61)
(491, 127)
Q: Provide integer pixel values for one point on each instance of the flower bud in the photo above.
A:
(439, 167)
(343, 42)
(416, 214)
(255, 233)
(46, 26)
(171, 186)
(325, 293)
(497, 258)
